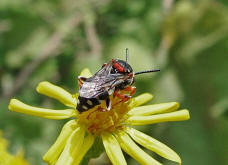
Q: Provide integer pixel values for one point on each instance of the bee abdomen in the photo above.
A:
(84, 104)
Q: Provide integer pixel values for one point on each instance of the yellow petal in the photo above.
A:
(72, 148)
(129, 146)
(172, 116)
(88, 142)
(155, 109)
(113, 149)
(86, 73)
(141, 99)
(19, 159)
(56, 92)
(53, 153)
(153, 145)
(7, 158)
(17, 106)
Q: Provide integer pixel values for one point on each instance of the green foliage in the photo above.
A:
(54, 39)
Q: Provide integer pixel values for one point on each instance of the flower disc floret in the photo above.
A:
(99, 120)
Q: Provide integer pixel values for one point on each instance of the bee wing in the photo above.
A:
(97, 87)
(104, 71)
(101, 83)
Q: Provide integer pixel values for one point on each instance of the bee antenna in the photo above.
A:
(127, 55)
(147, 71)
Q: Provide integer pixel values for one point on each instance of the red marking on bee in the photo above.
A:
(118, 67)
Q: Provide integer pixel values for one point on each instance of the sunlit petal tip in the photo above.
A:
(155, 108)
(177, 104)
(141, 99)
(153, 145)
(113, 149)
(56, 92)
(18, 106)
(186, 114)
(12, 104)
(86, 73)
(172, 105)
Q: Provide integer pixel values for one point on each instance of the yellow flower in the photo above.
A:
(114, 127)
(8, 159)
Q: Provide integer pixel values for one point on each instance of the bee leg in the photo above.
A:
(122, 96)
(130, 89)
(108, 104)
(81, 80)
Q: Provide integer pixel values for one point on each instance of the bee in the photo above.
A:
(115, 76)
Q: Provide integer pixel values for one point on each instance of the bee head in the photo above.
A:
(120, 66)
(123, 69)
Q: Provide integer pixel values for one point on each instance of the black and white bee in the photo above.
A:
(115, 76)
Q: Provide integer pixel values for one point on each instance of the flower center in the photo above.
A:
(99, 119)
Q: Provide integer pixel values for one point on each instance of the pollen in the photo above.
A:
(98, 119)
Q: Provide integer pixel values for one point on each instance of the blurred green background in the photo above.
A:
(55, 39)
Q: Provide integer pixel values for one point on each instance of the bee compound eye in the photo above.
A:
(114, 70)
